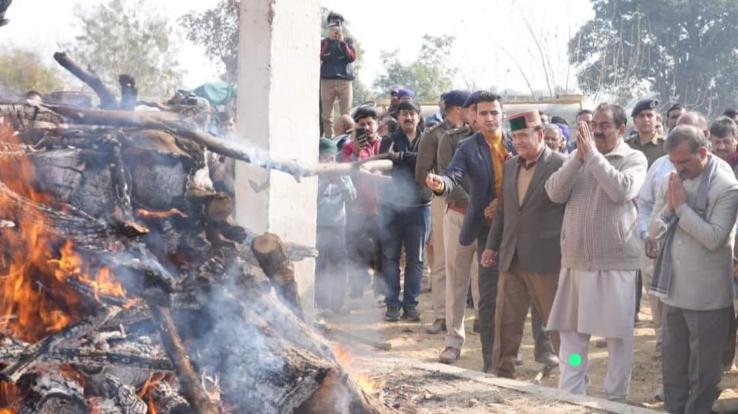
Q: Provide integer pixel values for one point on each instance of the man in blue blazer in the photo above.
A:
(481, 158)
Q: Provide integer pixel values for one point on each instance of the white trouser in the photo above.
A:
(619, 364)
(461, 268)
(438, 259)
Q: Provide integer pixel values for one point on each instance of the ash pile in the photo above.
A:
(126, 286)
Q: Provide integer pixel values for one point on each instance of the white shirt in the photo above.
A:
(660, 168)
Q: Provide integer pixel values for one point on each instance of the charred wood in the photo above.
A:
(53, 393)
(33, 352)
(278, 267)
(107, 99)
(170, 122)
(189, 380)
(124, 396)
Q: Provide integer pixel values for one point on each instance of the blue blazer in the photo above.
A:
(472, 159)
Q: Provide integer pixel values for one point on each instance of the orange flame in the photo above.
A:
(35, 299)
(145, 392)
(344, 357)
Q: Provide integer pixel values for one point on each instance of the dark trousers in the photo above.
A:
(542, 339)
(330, 268)
(692, 353)
(729, 353)
(488, 278)
(362, 244)
(400, 227)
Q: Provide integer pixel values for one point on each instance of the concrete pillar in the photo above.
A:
(278, 78)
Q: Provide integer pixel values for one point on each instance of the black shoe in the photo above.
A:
(411, 314)
(392, 314)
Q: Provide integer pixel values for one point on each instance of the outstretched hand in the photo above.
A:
(435, 183)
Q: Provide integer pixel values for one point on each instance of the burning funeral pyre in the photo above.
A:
(126, 288)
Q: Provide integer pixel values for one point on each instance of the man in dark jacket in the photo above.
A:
(336, 73)
(480, 158)
(404, 218)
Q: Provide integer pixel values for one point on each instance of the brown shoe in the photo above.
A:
(439, 325)
(449, 355)
(475, 327)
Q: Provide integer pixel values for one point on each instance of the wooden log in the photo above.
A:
(169, 121)
(107, 99)
(53, 393)
(189, 379)
(124, 396)
(167, 400)
(33, 352)
(278, 267)
(339, 394)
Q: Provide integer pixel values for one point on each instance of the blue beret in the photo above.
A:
(402, 92)
(643, 105)
(471, 99)
(455, 97)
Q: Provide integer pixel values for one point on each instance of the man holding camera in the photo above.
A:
(362, 224)
(336, 72)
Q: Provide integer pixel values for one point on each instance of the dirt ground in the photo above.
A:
(410, 340)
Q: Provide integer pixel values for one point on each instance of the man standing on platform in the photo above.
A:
(481, 158)
(600, 251)
(526, 233)
(426, 163)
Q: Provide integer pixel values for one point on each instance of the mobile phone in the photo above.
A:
(362, 137)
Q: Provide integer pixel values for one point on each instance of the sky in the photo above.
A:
(495, 39)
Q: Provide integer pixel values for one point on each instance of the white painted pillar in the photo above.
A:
(278, 80)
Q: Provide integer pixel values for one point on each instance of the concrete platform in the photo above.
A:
(450, 389)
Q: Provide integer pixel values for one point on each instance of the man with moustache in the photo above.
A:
(672, 115)
(646, 139)
(694, 219)
(427, 162)
(724, 139)
(525, 233)
(404, 216)
(480, 158)
(600, 251)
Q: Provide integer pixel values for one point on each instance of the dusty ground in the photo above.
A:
(410, 340)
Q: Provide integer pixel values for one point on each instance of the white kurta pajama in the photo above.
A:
(600, 258)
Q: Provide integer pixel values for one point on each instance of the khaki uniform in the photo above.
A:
(424, 164)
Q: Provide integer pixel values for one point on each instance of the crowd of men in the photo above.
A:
(569, 223)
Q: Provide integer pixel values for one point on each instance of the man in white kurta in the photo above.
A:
(600, 251)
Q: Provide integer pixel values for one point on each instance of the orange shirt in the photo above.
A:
(498, 152)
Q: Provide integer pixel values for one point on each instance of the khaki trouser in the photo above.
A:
(330, 90)
(461, 269)
(438, 258)
(515, 291)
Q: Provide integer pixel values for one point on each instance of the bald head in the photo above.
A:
(695, 119)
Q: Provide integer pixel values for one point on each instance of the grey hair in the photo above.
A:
(686, 133)
(553, 127)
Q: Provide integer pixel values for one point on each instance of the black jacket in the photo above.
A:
(335, 59)
(403, 191)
